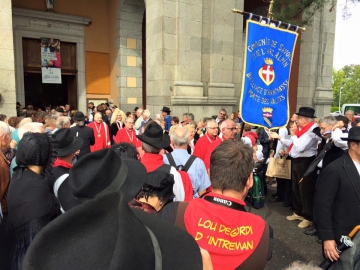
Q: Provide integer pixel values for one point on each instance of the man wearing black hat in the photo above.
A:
(302, 150)
(167, 118)
(86, 133)
(153, 140)
(67, 146)
(337, 200)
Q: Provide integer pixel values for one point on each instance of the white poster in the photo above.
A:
(50, 60)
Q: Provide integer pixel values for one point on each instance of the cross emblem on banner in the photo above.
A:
(268, 72)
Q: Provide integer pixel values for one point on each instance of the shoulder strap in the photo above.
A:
(57, 185)
(179, 221)
(171, 159)
(165, 168)
(189, 163)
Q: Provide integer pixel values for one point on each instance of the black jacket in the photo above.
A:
(87, 135)
(337, 199)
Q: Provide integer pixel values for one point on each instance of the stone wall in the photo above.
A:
(7, 64)
(316, 63)
(194, 56)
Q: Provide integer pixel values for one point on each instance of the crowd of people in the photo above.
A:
(173, 191)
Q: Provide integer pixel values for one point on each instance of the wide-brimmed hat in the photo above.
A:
(353, 135)
(306, 112)
(101, 172)
(166, 109)
(79, 116)
(105, 233)
(154, 136)
(66, 142)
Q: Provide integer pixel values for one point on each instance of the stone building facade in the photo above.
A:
(185, 54)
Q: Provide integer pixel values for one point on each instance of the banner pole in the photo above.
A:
(270, 13)
(282, 24)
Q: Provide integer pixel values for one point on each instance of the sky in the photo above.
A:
(347, 37)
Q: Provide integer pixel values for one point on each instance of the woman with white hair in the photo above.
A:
(117, 122)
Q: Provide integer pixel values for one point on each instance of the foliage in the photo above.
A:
(348, 80)
(300, 12)
(335, 109)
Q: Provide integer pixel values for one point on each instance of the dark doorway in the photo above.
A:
(39, 94)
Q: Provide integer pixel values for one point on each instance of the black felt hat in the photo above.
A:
(66, 142)
(79, 116)
(104, 171)
(166, 109)
(105, 233)
(59, 109)
(353, 135)
(154, 136)
(306, 112)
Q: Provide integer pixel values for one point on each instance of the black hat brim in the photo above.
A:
(72, 148)
(72, 240)
(135, 179)
(171, 239)
(309, 116)
(159, 143)
(355, 138)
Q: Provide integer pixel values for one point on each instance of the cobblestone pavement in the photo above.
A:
(290, 243)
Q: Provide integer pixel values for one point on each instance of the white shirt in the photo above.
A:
(357, 165)
(305, 146)
(283, 132)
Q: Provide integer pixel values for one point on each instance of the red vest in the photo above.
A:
(230, 236)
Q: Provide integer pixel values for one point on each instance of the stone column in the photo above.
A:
(316, 63)
(7, 65)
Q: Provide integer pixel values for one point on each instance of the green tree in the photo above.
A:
(301, 11)
(348, 80)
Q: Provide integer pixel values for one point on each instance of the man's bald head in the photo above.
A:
(180, 137)
(228, 129)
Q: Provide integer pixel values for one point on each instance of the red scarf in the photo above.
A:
(61, 163)
(301, 132)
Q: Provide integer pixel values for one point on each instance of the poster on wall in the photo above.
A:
(50, 60)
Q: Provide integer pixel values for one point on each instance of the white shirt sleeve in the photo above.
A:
(178, 188)
(336, 137)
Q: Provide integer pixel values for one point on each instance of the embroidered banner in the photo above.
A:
(267, 66)
(50, 60)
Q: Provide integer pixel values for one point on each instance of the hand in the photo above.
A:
(293, 129)
(272, 153)
(339, 124)
(330, 251)
(281, 152)
(206, 259)
(13, 144)
(274, 135)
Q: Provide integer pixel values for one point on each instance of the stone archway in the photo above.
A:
(130, 55)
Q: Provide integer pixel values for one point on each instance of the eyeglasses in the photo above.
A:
(232, 129)
(222, 113)
(213, 127)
